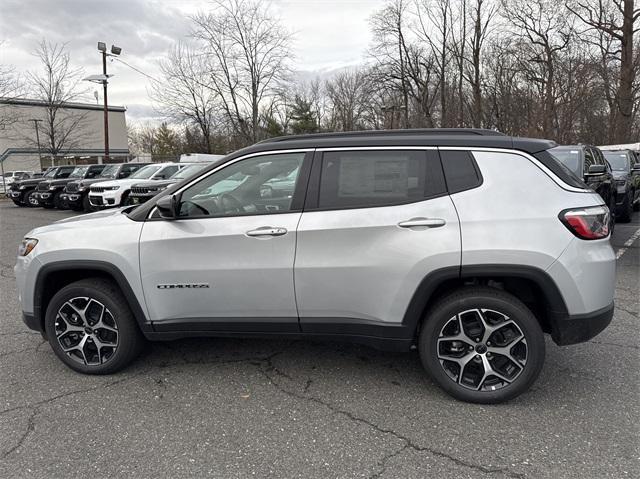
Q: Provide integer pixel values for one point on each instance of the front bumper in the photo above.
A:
(32, 323)
(581, 327)
(44, 197)
(16, 195)
(103, 200)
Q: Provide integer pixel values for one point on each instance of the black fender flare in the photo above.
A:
(88, 265)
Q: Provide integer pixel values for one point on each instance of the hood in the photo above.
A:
(123, 183)
(89, 182)
(93, 216)
(155, 183)
(29, 182)
(61, 181)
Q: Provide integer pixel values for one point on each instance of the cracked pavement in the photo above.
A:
(272, 408)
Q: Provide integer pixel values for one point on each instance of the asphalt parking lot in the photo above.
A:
(243, 408)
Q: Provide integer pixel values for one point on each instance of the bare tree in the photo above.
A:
(434, 29)
(482, 14)
(183, 96)
(56, 85)
(350, 95)
(248, 52)
(614, 20)
(390, 50)
(542, 31)
(10, 88)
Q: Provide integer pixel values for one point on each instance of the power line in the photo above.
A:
(136, 69)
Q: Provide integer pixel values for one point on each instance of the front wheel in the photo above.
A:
(91, 328)
(30, 199)
(482, 345)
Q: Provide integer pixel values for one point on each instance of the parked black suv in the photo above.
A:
(626, 172)
(76, 193)
(588, 162)
(49, 192)
(23, 193)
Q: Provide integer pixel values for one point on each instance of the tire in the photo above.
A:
(612, 212)
(116, 328)
(626, 209)
(86, 205)
(519, 371)
(18, 203)
(30, 199)
(58, 203)
(636, 205)
(124, 199)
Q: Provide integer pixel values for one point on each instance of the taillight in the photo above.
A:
(587, 223)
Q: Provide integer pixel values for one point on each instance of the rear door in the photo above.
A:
(376, 222)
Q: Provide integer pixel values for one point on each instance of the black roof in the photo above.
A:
(462, 137)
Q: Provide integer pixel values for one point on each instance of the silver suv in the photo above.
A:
(467, 244)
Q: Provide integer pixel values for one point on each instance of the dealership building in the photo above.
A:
(79, 132)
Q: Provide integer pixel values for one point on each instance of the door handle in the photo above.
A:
(267, 231)
(424, 222)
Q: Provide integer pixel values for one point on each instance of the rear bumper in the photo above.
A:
(579, 328)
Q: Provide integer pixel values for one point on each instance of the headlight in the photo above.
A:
(22, 187)
(82, 188)
(52, 188)
(27, 246)
(621, 182)
(111, 188)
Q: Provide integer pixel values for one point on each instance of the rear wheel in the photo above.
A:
(482, 345)
(91, 328)
(626, 209)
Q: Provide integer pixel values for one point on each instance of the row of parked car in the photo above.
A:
(615, 175)
(90, 187)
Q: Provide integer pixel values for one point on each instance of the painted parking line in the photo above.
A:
(628, 243)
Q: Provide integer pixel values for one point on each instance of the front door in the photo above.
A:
(226, 263)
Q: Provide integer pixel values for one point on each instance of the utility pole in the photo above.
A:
(35, 122)
(104, 79)
(106, 110)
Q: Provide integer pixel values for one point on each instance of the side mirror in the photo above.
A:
(636, 167)
(596, 170)
(122, 174)
(168, 207)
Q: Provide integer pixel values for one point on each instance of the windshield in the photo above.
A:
(50, 173)
(145, 173)
(617, 160)
(569, 158)
(109, 171)
(186, 172)
(79, 172)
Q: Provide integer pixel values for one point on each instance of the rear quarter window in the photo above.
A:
(460, 171)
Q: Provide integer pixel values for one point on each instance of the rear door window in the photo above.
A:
(366, 178)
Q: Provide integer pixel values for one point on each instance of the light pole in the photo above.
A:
(35, 122)
(115, 51)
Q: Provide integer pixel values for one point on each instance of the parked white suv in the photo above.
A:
(108, 194)
(392, 239)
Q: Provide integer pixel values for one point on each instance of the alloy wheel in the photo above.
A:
(86, 331)
(482, 349)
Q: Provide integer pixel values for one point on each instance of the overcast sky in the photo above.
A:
(330, 34)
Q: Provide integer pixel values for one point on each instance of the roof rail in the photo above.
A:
(408, 132)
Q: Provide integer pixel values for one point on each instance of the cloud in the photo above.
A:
(329, 34)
